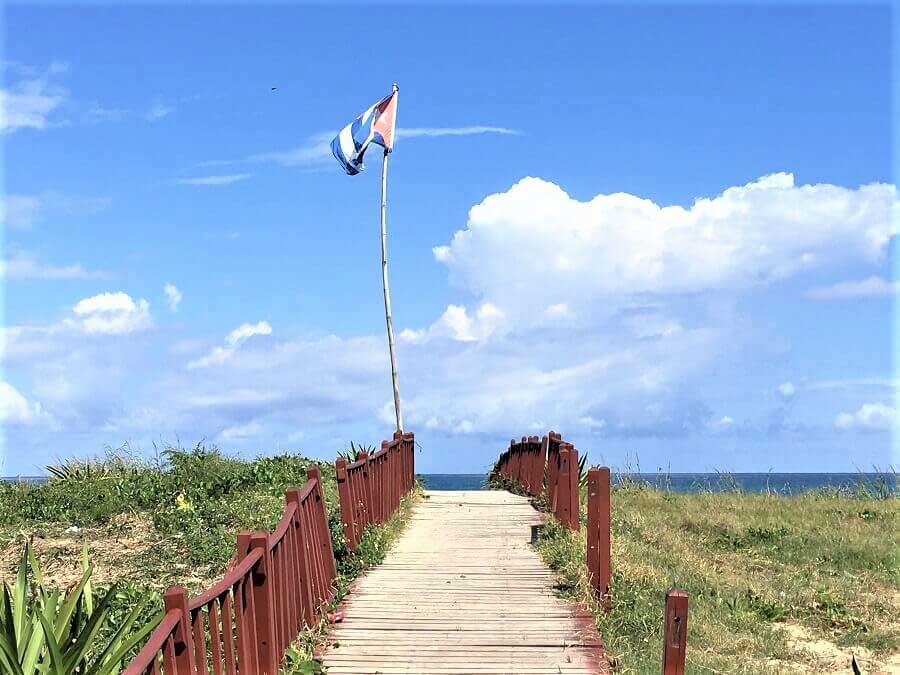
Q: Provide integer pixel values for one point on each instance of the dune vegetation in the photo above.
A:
(777, 583)
(171, 520)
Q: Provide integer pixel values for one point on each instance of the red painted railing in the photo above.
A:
(278, 582)
(557, 463)
(370, 489)
(548, 463)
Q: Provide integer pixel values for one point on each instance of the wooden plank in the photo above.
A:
(463, 592)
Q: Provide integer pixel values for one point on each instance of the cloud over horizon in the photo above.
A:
(605, 317)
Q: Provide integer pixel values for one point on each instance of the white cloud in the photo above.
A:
(215, 180)
(417, 132)
(873, 287)
(24, 266)
(19, 211)
(853, 383)
(592, 423)
(317, 148)
(233, 341)
(620, 244)
(30, 98)
(724, 423)
(537, 344)
(158, 111)
(24, 211)
(15, 408)
(111, 314)
(558, 310)
(173, 296)
(241, 431)
(869, 417)
(787, 389)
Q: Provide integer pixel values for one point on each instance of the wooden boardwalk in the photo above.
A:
(463, 591)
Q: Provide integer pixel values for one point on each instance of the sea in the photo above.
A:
(783, 483)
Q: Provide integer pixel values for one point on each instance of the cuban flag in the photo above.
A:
(375, 125)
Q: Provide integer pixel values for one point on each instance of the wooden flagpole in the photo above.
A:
(384, 278)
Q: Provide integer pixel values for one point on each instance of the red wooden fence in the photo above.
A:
(556, 462)
(279, 582)
(370, 489)
(535, 464)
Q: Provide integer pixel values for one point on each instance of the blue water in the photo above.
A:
(786, 483)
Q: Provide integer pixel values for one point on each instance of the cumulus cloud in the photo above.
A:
(458, 324)
(111, 314)
(233, 341)
(173, 296)
(15, 408)
(869, 417)
(30, 97)
(560, 331)
(872, 287)
(215, 180)
(620, 244)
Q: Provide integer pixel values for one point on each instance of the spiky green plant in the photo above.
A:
(582, 470)
(46, 632)
(355, 448)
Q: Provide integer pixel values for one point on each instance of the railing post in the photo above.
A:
(247, 651)
(598, 534)
(574, 491)
(563, 487)
(367, 487)
(322, 528)
(412, 461)
(307, 603)
(176, 598)
(544, 461)
(347, 523)
(401, 467)
(264, 606)
(675, 632)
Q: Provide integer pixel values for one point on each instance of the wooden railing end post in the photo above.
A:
(675, 632)
(176, 598)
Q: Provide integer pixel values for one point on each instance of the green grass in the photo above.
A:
(776, 583)
(174, 520)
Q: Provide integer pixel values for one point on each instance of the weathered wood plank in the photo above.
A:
(463, 592)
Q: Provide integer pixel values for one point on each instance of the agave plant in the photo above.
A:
(75, 469)
(350, 453)
(582, 470)
(46, 632)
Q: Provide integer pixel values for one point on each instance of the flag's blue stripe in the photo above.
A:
(360, 130)
(340, 157)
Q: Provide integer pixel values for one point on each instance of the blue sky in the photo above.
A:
(664, 231)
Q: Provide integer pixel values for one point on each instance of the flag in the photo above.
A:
(375, 125)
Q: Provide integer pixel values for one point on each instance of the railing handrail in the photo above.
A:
(225, 584)
(277, 582)
(155, 642)
(557, 463)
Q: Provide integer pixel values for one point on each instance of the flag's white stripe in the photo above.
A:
(348, 147)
